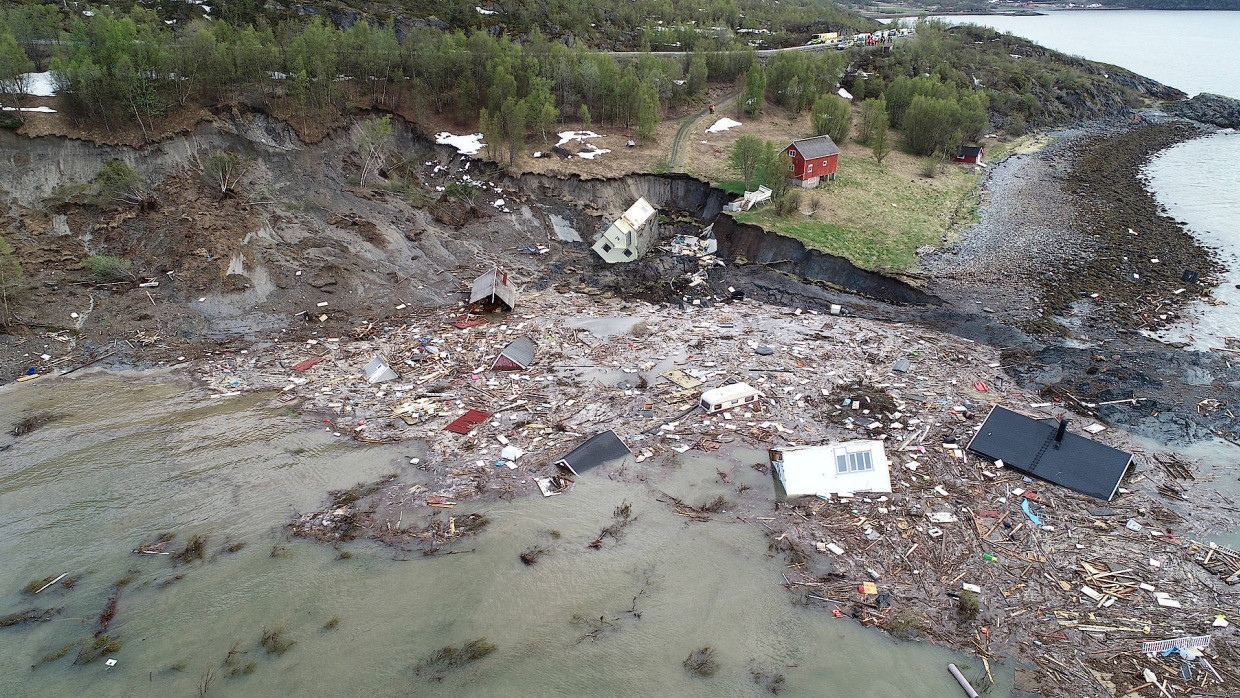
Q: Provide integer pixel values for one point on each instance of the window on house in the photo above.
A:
(853, 462)
(628, 253)
(606, 247)
(811, 167)
(749, 398)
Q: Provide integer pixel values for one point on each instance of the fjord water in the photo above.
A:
(1198, 181)
(130, 456)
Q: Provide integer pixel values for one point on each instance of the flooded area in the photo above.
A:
(126, 457)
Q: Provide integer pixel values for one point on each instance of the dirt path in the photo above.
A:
(675, 163)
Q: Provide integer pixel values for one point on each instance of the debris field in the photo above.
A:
(963, 552)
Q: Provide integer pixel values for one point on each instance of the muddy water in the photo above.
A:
(133, 455)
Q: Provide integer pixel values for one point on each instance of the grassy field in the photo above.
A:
(878, 215)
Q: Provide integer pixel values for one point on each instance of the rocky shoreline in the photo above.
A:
(1054, 277)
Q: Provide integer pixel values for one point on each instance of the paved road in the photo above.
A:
(761, 53)
(676, 162)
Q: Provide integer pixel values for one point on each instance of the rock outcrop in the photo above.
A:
(1212, 109)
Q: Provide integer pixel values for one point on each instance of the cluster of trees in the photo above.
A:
(113, 67)
(762, 161)
(935, 116)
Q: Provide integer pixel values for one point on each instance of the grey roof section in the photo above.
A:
(1028, 445)
(520, 351)
(970, 150)
(816, 147)
(489, 286)
(601, 448)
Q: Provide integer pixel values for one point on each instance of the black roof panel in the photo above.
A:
(1029, 445)
(601, 448)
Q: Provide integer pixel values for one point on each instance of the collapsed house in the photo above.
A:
(1044, 449)
(631, 235)
(604, 447)
(839, 468)
(517, 356)
(492, 291)
(750, 199)
(377, 371)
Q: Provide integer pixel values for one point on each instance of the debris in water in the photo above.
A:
(34, 615)
(447, 658)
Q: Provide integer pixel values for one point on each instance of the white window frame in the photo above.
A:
(848, 462)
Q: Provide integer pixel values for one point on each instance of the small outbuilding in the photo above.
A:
(493, 290)
(729, 396)
(631, 235)
(844, 468)
(517, 356)
(969, 153)
(1043, 448)
(813, 159)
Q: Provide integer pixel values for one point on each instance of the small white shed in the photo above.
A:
(839, 468)
(729, 396)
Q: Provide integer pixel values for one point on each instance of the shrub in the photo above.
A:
(275, 641)
(120, 184)
(107, 268)
(702, 662)
(447, 658)
(788, 204)
(1016, 125)
(967, 606)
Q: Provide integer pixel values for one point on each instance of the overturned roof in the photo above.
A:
(1029, 445)
(816, 147)
(517, 356)
(493, 286)
(601, 448)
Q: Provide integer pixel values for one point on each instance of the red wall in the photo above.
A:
(822, 166)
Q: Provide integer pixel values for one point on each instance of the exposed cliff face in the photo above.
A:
(611, 197)
(791, 256)
(1206, 108)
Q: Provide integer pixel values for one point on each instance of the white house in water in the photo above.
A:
(838, 468)
(631, 236)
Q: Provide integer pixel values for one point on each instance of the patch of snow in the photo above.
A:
(566, 136)
(845, 93)
(723, 125)
(499, 203)
(678, 82)
(484, 12)
(465, 145)
(40, 110)
(88, 13)
(40, 84)
(592, 151)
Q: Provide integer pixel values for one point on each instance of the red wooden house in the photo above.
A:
(813, 159)
(970, 153)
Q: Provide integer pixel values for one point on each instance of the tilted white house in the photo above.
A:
(631, 236)
(839, 468)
